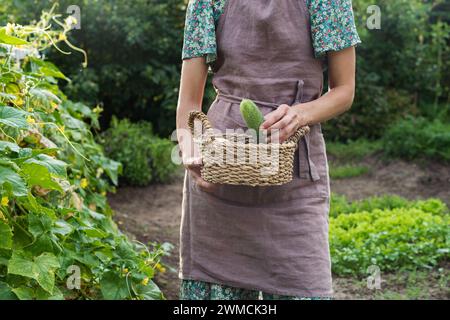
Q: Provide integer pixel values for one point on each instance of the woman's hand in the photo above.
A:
(338, 99)
(282, 123)
(193, 165)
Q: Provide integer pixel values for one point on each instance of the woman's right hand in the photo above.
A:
(193, 165)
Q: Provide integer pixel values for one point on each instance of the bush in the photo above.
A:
(400, 67)
(414, 138)
(145, 157)
(373, 110)
(54, 216)
(353, 150)
(347, 171)
(411, 237)
(340, 204)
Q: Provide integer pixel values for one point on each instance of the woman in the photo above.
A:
(241, 242)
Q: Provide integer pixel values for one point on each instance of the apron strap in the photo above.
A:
(313, 174)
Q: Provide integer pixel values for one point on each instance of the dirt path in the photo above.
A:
(153, 213)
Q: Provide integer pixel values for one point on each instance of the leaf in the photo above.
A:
(5, 236)
(6, 293)
(62, 228)
(54, 166)
(39, 224)
(46, 264)
(114, 287)
(6, 145)
(13, 117)
(44, 295)
(47, 69)
(27, 293)
(11, 179)
(44, 95)
(149, 292)
(24, 293)
(112, 169)
(94, 232)
(22, 265)
(41, 269)
(7, 39)
(39, 175)
(5, 255)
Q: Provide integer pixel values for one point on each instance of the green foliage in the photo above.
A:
(414, 138)
(395, 236)
(353, 150)
(347, 171)
(400, 67)
(135, 56)
(54, 178)
(145, 157)
(340, 204)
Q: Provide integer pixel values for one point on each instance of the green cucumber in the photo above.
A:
(252, 115)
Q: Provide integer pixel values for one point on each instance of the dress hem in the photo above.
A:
(301, 294)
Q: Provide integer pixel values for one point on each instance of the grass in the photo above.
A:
(347, 171)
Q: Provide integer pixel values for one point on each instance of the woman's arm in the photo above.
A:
(192, 87)
(194, 73)
(341, 74)
(339, 98)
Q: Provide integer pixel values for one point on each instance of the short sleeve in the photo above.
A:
(200, 31)
(332, 25)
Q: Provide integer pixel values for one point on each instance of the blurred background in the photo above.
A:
(389, 155)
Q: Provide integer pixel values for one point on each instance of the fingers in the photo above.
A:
(282, 135)
(275, 116)
(205, 186)
(281, 124)
(192, 162)
(198, 180)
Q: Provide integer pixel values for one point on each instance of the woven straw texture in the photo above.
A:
(236, 159)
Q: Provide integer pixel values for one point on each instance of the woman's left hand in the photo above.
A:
(282, 123)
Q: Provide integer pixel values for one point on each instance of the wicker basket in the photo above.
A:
(237, 160)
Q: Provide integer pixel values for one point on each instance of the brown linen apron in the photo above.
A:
(273, 239)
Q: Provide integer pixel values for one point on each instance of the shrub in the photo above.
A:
(352, 150)
(54, 216)
(414, 138)
(340, 204)
(414, 236)
(374, 109)
(400, 67)
(145, 158)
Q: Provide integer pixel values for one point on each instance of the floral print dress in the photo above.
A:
(332, 29)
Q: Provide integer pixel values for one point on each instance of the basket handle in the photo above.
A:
(194, 115)
(300, 133)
